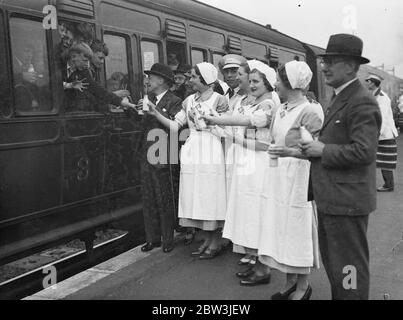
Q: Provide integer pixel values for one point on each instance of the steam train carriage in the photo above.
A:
(64, 173)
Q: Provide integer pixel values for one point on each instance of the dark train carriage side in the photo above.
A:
(62, 174)
(65, 173)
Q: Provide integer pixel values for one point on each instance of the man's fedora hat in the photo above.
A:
(345, 45)
(161, 70)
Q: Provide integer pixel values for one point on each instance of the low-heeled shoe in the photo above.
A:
(385, 189)
(255, 280)
(244, 274)
(210, 255)
(168, 247)
(149, 246)
(307, 294)
(285, 295)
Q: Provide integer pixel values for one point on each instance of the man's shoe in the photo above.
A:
(384, 189)
(167, 247)
(149, 246)
(244, 274)
(255, 280)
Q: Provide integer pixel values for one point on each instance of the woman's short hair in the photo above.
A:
(282, 73)
(245, 66)
(197, 70)
(265, 81)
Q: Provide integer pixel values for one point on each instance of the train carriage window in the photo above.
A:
(150, 53)
(198, 56)
(216, 59)
(176, 54)
(32, 92)
(5, 103)
(117, 74)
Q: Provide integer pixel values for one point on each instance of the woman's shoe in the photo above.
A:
(244, 261)
(285, 295)
(199, 251)
(210, 254)
(252, 261)
(189, 238)
(255, 280)
(307, 294)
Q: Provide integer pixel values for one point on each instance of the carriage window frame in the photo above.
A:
(128, 51)
(222, 54)
(49, 52)
(204, 51)
(6, 101)
(159, 48)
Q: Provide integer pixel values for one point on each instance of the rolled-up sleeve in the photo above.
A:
(261, 118)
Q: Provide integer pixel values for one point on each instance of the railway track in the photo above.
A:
(67, 262)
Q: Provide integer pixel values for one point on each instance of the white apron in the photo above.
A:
(202, 190)
(242, 224)
(286, 215)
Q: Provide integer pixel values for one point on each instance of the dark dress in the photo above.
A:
(160, 182)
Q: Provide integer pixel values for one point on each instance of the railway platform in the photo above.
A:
(178, 276)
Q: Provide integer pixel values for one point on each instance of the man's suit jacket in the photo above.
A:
(168, 106)
(343, 180)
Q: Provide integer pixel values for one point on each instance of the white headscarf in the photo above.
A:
(299, 74)
(270, 73)
(208, 72)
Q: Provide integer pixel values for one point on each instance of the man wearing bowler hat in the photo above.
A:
(343, 169)
(159, 203)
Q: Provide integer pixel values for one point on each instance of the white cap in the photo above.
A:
(299, 74)
(269, 72)
(208, 71)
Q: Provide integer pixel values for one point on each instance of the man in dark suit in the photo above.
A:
(343, 170)
(158, 191)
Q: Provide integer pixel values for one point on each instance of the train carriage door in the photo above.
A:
(84, 114)
(122, 166)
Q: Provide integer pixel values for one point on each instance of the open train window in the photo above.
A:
(176, 54)
(198, 56)
(117, 71)
(31, 79)
(5, 99)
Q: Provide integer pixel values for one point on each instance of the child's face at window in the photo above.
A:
(79, 60)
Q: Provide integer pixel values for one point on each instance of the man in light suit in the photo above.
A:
(387, 149)
(343, 169)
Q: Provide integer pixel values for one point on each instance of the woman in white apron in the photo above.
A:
(202, 191)
(288, 240)
(249, 159)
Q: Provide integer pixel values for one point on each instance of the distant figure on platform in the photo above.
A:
(343, 169)
(386, 157)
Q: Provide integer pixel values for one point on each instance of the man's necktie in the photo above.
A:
(231, 92)
(330, 103)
